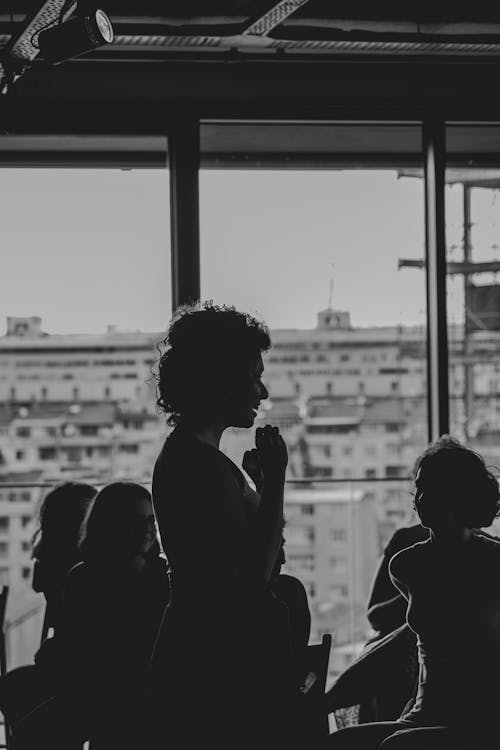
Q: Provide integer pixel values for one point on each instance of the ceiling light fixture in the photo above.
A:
(88, 29)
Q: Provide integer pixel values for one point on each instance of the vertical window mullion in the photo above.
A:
(435, 242)
(184, 163)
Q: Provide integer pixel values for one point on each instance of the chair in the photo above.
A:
(313, 671)
(4, 593)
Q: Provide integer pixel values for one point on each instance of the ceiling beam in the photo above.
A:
(278, 13)
(22, 49)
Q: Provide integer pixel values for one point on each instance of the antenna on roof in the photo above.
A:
(330, 298)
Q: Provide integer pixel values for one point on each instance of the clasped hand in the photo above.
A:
(268, 460)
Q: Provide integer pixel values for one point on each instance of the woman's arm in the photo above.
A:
(400, 571)
(386, 607)
(273, 458)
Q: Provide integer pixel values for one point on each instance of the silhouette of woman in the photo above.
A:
(224, 649)
(56, 548)
(56, 542)
(113, 604)
(452, 589)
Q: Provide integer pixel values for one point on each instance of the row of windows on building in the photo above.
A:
(76, 363)
(371, 449)
(85, 430)
(75, 394)
(76, 453)
(347, 472)
(300, 535)
(5, 521)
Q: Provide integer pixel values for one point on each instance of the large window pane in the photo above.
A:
(473, 289)
(84, 297)
(322, 256)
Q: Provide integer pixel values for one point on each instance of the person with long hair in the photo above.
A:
(451, 586)
(224, 648)
(56, 548)
(56, 542)
(113, 604)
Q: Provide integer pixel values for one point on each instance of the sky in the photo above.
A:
(84, 249)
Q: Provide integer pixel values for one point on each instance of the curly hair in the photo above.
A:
(456, 476)
(208, 348)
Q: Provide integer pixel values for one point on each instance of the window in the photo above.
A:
(4, 549)
(23, 432)
(89, 429)
(473, 290)
(395, 471)
(300, 562)
(338, 590)
(297, 536)
(129, 448)
(4, 523)
(338, 565)
(46, 453)
(307, 510)
(371, 473)
(338, 535)
(20, 455)
(26, 573)
(25, 521)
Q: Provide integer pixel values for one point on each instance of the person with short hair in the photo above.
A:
(451, 584)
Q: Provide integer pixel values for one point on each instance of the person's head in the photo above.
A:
(454, 487)
(61, 521)
(212, 366)
(121, 526)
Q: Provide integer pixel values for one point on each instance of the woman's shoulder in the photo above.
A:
(185, 459)
(403, 562)
(405, 537)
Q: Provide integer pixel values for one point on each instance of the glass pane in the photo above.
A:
(84, 297)
(473, 288)
(322, 256)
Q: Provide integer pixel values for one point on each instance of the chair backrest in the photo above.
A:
(4, 593)
(312, 683)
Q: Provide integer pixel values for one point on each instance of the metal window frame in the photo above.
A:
(184, 161)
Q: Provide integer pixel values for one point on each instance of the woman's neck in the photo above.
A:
(451, 536)
(210, 432)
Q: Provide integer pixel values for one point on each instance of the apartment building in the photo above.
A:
(332, 547)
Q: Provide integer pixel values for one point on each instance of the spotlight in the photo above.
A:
(86, 31)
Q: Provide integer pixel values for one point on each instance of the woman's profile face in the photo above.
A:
(140, 527)
(246, 395)
(432, 508)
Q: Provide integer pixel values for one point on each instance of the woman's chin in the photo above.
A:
(245, 419)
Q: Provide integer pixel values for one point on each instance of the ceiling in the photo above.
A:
(224, 59)
(267, 28)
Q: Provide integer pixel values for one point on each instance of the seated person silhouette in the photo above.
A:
(56, 548)
(451, 585)
(225, 632)
(381, 681)
(113, 604)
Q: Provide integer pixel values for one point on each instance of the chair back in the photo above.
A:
(312, 684)
(4, 593)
